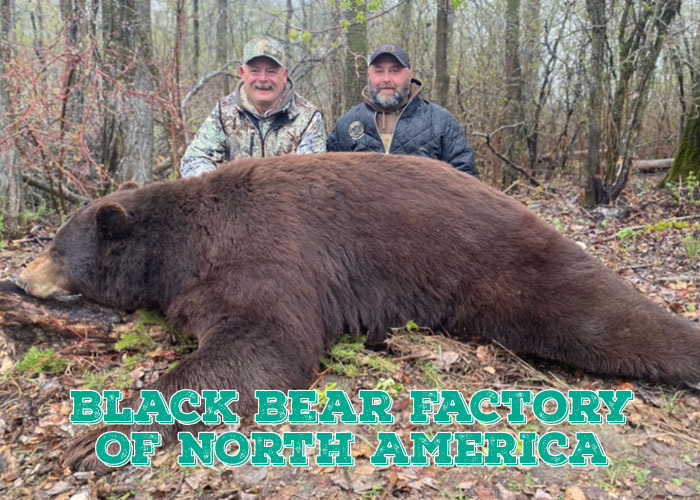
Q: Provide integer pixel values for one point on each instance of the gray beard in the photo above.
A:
(390, 103)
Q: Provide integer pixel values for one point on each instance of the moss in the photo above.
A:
(687, 158)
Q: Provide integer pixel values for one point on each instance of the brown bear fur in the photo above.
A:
(266, 261)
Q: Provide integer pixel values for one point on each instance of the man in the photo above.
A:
(393, 119)
(263, 116)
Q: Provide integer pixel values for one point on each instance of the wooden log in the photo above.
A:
(652, 165)
(638, 165)
(26, 321)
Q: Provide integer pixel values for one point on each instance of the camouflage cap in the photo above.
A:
(263, 47)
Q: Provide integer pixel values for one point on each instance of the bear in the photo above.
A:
(265, 261)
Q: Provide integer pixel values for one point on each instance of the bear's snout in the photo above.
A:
(42, 279)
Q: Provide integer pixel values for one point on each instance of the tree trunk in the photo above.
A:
(74, 18)
(336, 65)
(638, 53)
(288, 24)
(442, 43)
(405, 16)
(596, 16)
(222, 40)
(514, 91)
(114, 43)
(128, 127)
(687, 160)
(195, 39)
(355, 55)
(535, 76)
(11, 201)
(37, 19)
(177, 136)
(137, 162)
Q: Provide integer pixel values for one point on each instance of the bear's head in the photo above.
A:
(85, 252)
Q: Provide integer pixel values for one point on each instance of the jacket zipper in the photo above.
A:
(393, 133)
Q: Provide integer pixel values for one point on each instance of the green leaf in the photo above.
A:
(411, 326)
(36, 361)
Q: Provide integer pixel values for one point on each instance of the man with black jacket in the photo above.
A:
(394, 119)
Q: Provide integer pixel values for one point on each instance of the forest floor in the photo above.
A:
(651, 240)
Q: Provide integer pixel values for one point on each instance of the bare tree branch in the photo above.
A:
(515, 167)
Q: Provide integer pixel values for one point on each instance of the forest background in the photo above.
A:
(97, 92)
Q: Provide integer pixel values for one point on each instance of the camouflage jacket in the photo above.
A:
(235, 130)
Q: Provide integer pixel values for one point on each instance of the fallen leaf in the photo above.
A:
(574, 493)
(323, 470)
(448, 358)
(365, 469)
(482, 354)
(362, 450)
(666, 440)
(679, 491)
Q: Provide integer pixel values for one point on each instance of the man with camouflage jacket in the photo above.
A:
(263, 116)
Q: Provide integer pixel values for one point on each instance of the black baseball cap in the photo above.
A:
(393, 50)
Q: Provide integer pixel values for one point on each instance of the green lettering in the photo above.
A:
(196, 448)
(301, 412)
(528, 440)
(144, 447)
(543, 448)
(375, 407)
(517, 401)
(584, 407)
(588, 445)
(268, 446)
(222, 453)
(338, 404)
(560, 412)
(187, 418)
(334, 448)
(153, 404)
(112, 414)
(501, 446)
(467, 454)
(216, 407)
(475, 406)
(453, 403)
(87, 407)
(423, 447)
(272, 407)
(390, 445)
(121, 457)
(423, 402)
(616, 402)
(298, 441)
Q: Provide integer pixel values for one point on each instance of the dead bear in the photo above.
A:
(266, 261)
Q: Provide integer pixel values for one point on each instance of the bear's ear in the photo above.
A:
(124, 186)
(113, 223)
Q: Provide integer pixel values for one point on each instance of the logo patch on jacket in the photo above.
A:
(356, 129)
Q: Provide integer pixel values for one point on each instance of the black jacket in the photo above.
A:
(423, 129)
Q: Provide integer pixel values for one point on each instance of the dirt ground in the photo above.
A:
(648, 239)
